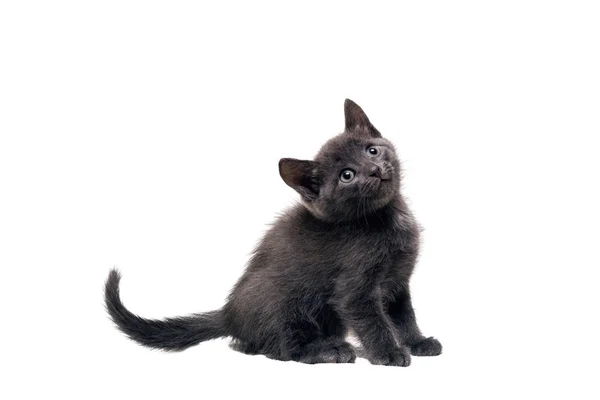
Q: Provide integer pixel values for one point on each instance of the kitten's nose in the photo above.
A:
(377, 172)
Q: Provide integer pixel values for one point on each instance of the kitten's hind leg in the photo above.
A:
(243, 347)
(329, 350)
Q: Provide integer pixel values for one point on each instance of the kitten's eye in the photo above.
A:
(347, 175)
(373, 151)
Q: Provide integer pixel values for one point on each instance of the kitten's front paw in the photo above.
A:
(342, 353)
(426, 347)
(397, 357)
(339, 353)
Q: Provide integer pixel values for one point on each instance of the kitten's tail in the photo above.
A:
(170, 334)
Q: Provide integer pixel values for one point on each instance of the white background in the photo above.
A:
(146, 136)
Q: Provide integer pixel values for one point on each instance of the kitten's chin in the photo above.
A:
(386, 192)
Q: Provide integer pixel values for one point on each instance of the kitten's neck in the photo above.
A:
(396, 209)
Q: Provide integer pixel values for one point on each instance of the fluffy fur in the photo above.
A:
(339, 260)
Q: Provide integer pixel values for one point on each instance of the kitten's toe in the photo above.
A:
(397, 357)
(342, 353)
(426, 347)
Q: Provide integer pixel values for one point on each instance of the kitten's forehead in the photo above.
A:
(346, 146)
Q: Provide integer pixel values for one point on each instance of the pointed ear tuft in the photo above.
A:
(357, 120)
(300, 175)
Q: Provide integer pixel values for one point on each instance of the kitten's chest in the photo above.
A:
(384, 247)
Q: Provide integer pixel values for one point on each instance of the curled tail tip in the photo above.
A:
(112, 298)
(114, 276)
(111, 286)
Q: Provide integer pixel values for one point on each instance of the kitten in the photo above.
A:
(339, 260)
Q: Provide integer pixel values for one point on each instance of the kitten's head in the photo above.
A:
(354, 173)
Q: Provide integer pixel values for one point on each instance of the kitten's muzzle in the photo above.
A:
(382, 173)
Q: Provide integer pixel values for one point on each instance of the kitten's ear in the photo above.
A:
(357, 120)
(300, 175)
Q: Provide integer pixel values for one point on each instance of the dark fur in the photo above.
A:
(342, 259)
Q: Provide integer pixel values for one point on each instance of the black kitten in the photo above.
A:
(340, 260)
